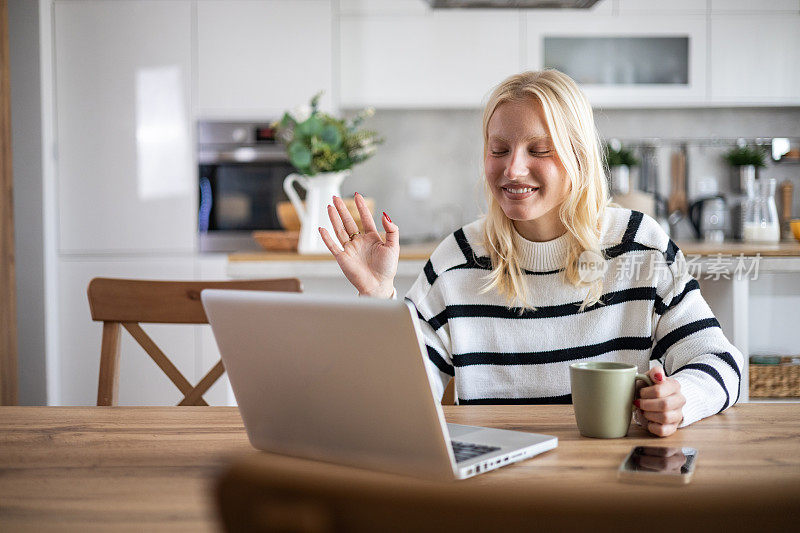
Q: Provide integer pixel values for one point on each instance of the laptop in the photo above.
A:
(345, 381)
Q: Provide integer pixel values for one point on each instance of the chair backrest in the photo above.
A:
(263, 492)
(128, 302)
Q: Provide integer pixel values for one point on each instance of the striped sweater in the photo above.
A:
(651, 309)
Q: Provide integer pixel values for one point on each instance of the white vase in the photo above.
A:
(620, 179)
(320, 190)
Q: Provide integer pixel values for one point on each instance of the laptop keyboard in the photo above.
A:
(465, 450)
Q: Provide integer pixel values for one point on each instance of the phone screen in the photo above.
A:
(659, 464)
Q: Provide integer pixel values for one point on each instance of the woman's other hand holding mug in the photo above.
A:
(660, 405)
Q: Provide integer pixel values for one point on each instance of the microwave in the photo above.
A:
(241, 173)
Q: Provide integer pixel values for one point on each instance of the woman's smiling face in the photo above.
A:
(523, 171)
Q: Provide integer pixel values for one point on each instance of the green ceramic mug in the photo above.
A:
(602, 395)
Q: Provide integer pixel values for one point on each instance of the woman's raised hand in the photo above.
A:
(368, 262)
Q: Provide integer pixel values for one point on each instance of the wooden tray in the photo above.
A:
(277, 241)
(287, 216)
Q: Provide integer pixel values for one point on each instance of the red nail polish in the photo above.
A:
(387, 217)
(636, 403)
(659, 377)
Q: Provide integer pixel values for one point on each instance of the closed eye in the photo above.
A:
(501, 152)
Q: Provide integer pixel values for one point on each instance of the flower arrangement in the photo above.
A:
(317, 142)
(617, 156)
(745, 155)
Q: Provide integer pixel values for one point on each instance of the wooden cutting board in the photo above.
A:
(677, 200)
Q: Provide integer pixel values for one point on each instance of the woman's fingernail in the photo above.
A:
(636, 403)
(659, 377)
(387, 217)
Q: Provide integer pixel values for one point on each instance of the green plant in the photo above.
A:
(619, 157)
(745, 155)
(318, 142)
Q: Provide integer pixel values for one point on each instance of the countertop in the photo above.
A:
(421, 252)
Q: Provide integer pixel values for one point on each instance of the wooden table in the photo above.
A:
(144, 468)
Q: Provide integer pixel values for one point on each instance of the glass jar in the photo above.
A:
(761, 215)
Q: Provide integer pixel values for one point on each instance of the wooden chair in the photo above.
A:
(127, 302)
(269, 493)
(263, 492)
(449, 396)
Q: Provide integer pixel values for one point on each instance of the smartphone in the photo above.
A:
(658, 464)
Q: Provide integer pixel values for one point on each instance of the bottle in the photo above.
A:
(761, 215)
(785, 192)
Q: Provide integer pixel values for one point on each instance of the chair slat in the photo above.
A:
(160, 359)
(209, 379)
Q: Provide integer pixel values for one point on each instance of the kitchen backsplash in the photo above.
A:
(428, 177)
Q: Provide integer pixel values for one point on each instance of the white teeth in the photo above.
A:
(520, 191)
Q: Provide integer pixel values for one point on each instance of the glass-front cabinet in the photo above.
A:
(623, 61)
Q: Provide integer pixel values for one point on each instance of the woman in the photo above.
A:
(508, 302)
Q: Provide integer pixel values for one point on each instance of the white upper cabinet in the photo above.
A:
(754, 6)
(442, 58)
(626, 60)
(361, 7)
(256, 59)
(126, 171)
(697, 7)
(755, 59)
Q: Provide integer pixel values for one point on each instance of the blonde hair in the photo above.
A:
(571, 123)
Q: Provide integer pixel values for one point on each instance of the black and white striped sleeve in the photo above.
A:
(430, 307)
(691, 344)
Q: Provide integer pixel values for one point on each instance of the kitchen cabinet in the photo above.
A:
(360, 7)
(126, 176)
(659, 6)
(141, 381)
(754, 6)
(442, 59)
(258, 59)
(323, 276)
(629, 60)
(754, 59)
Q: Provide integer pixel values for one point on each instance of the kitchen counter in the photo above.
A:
(780, 249)
(413, 257)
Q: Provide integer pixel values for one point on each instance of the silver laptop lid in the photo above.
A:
(332, 379)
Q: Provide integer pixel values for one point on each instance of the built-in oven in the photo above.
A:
(242, 169)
